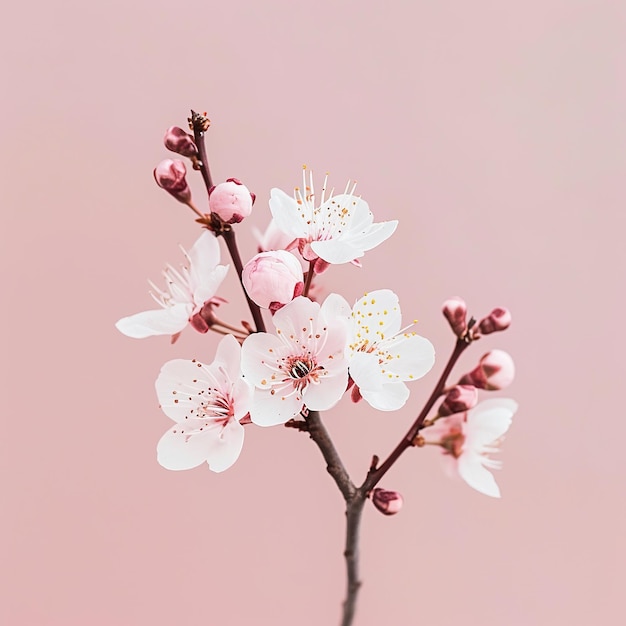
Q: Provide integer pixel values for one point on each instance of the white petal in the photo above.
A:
(474, 473)
(287, 214)
(412, 356)
(228, 354)
(376, 316)
(366, 372)
(336, 251)
(489, 420)
(167, 321)
(374, 236)
(327, 392)
(390, 397)
(220, 447)
(208, 288)
(335, 306)
(203, 257)
(271, 409)
(242, 398)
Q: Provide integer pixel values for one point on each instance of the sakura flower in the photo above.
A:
(185, 296)
(382, 355)
(303, 365)
(339, 229)
(468, 438)
(207, 402)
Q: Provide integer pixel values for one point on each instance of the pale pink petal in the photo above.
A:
(242, 398)
(259, 350)
(325, 394)
(297, 320)
(390, 397)
(179, 387)
(443, 426)
(166, 321)
(449, 465)
(211, 282)
(224, 450)
(228, 354)
(177, 450)
(203, 257)
(473, 472)
(269, 409)
(489, 420)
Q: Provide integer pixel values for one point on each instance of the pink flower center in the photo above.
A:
(453, 442)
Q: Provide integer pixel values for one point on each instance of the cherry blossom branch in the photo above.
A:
(355, 500)
(199, 125)
(309, 279)
(355, 497)
(375, 474)
(334, 465)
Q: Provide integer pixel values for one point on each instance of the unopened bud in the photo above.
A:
(455, 311)
(231, 201)
(177, 140)
(498, 319)
(272, 279)
(387, 502)
(495, 370)
(170, 175)
(460, 398)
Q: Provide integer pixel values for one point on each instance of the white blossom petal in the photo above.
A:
(321, 397)
(211, 282)
(271, 409)
(287, 215)
(203, 257)
(411, 358)
(390, 396)
(477, 476)
(167, 321)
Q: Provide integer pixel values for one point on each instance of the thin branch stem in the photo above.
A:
(199, 125)
(355, 500)
(334, 464)
(309, 279)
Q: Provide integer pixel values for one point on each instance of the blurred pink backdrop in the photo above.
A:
(494, 131)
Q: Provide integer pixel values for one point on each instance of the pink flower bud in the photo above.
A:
(460, 398)
(272, 279)
(231, 201)
(498, 319)
(170, 175)
(455, 311)
(495, 370)
(177, 140)
(387, 502)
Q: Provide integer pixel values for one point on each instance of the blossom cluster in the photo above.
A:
(317, 352)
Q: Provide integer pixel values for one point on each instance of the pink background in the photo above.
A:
(493, 130)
